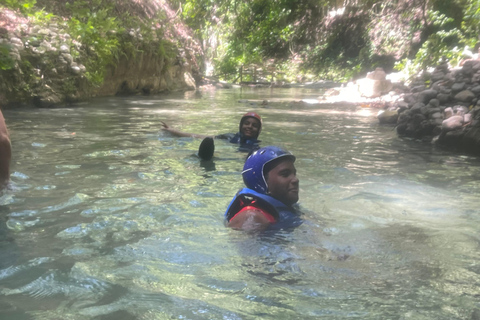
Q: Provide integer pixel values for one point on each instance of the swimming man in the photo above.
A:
(271, 192)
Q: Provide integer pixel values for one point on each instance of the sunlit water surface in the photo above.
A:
(108, 217)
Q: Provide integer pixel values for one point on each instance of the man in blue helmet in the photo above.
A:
(272, 190)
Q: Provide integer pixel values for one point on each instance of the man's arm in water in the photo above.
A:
(178, 133)
(5, 152)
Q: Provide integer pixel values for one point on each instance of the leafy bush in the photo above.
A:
(6, 62)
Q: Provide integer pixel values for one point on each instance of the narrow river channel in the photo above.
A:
(109, 217)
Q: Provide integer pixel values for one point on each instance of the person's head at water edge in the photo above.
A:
(272, 188)
(250, 125)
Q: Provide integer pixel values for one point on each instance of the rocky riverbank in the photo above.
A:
(441, 107)
(445, 112)
(45, 65)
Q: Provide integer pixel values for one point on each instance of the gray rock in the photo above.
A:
(457, 87)
(75, 69)
(473, 65)
(434, 110)
(460, 110)
(388, 117)
(378, 74)
(47, 97)
(448, 112)
(61, 61)
(452, 123)
(409, 99)
(434, 103)
(373, 88)
(436, 115)
(67, 57)
(15, 55)
(437, 123)
(418, 119)
(446, 90)
(465, 96)
(475, 110)
(14, 40)
(438, 86)
(476, 78)
(467, 118)
(443, 98)
(400, 106)
(64, 48)
(443, 66)
(419, 88)
(425, 110)
(427, 95)
(44, 31)
(417, 107)
(47, 46)
(476, 90)
(17, 43)
(437, 75)
(404, 116)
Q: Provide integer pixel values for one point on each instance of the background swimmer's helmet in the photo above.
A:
(251, 115)
(253, 170)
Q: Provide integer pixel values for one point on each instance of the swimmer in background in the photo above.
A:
(5, 153)
(247, 136)
(272, 187)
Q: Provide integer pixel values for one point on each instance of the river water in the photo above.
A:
(108, 217)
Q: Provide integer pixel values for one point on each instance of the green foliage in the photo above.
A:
(471, 23)
(445, 43)
(6, 62)
(368, 34)
(24, 6)
(96, 28)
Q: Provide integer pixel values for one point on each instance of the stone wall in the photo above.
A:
(45, 71)
(146, 73)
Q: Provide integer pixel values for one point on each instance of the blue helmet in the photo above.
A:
(253, 174)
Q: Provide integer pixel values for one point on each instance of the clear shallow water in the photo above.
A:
(110, 218)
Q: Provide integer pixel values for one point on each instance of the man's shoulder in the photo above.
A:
(249, 198)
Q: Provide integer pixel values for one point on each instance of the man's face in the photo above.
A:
(250, 127)
(283, 183)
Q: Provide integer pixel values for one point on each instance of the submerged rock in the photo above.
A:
(388, 116)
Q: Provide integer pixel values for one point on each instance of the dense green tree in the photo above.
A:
(337, 39)
(334, 39)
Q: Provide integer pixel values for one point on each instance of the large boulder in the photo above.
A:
(388, 117)
(452, 123)
(374, 84)
(465, 96)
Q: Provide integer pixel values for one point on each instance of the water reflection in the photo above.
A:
(110, 218)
